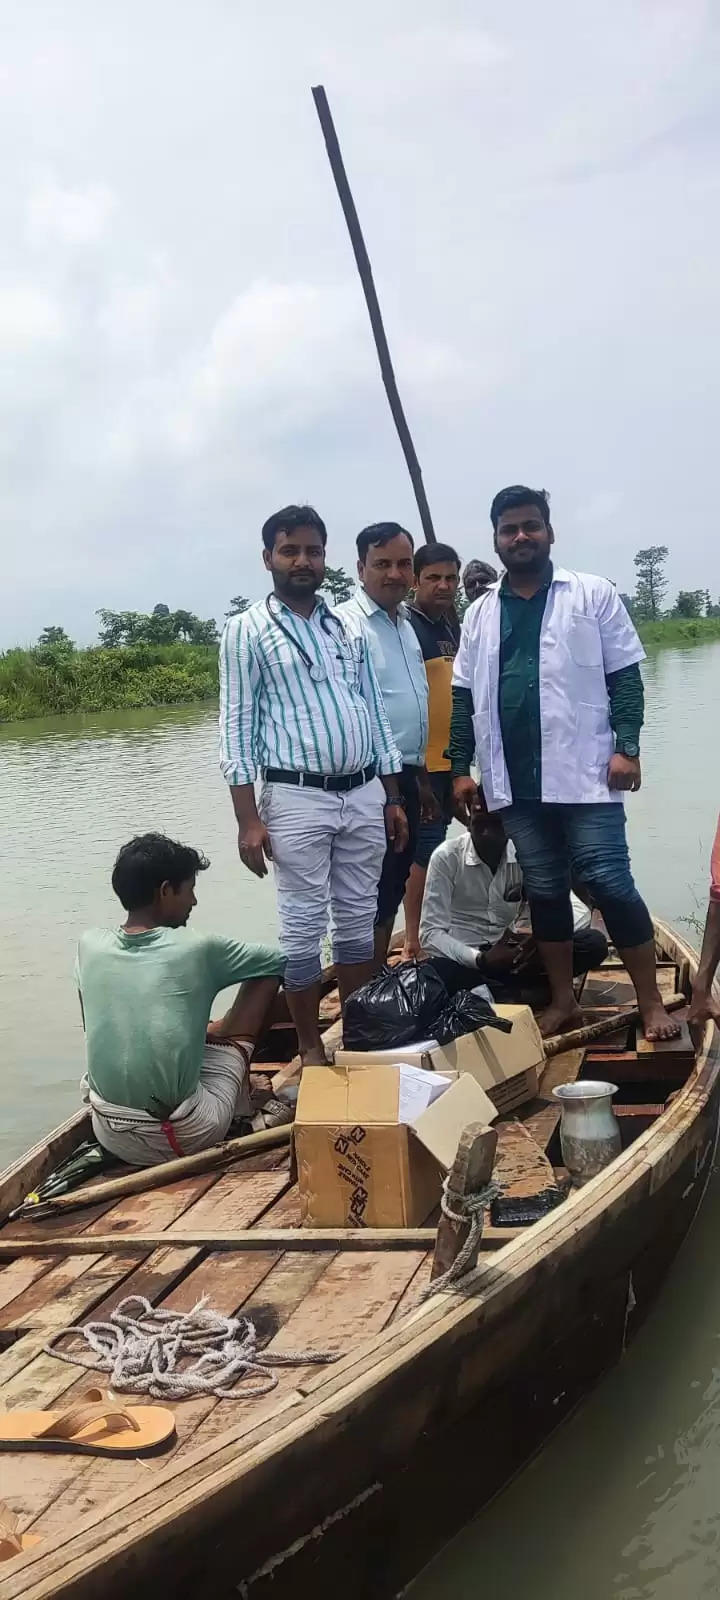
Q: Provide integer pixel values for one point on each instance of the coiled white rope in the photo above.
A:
(176, 1355)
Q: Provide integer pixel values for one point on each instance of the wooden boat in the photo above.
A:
(346, 1478)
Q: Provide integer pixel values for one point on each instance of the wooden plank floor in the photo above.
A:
(322, 1300)
(297, 1302)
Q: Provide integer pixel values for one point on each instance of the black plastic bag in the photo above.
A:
(463, 1014)
(397, 1007)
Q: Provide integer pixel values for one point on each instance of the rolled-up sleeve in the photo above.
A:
(385, 751)
(621, 645)
(239, 685)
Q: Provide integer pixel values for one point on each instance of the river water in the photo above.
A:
(623, 1504)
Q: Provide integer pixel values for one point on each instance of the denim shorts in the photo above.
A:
(559, 846)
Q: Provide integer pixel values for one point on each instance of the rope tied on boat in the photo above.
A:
(178, 1355)
(466, 1208)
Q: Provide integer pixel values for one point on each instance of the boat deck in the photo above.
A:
(314, 1298)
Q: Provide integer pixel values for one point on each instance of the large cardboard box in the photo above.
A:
(506, 1065)
(360, 1167)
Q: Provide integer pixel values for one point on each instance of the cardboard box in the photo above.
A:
(360, 1167)
(506, 1065)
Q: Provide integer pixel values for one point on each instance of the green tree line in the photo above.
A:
(651, 586)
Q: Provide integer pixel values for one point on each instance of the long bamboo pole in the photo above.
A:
(145, 1178)
(557, 1042)
(371, 300)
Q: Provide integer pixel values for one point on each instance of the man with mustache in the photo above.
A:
(300, 707)
(548, 701)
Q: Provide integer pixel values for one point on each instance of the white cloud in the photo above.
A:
(71, 216)
(28, 318)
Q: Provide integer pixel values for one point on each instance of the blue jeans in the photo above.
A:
(584, 846)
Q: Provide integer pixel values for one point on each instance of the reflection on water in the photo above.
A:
(623, 1505)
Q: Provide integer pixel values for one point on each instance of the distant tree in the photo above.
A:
(238, 604)
(338, 584)
(689, 603)
(707, 603)
(652, 583)
(629, 603)
(162, 627)
(55, 636)
(713, 610)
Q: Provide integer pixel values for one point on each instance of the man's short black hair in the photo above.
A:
(519, 495)
(147, 862)
(428, 554)
(379, 533)
(290, 518)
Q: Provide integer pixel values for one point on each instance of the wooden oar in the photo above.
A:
(219, 1155)
(596, 1030)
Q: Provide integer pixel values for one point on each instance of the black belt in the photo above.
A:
(338, 783)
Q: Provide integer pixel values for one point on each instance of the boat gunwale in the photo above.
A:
(236, 1454)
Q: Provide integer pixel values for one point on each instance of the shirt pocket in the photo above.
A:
(584, 641)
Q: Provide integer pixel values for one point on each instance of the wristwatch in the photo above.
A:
(627, 747)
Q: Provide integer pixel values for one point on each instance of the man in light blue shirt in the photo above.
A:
(376, 611)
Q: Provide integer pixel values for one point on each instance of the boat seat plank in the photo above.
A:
(256, 1285)
(615, 989)
(412, 1296)
(521, 1167)
(39, 1481)
(18, 1275)
(681, 1049)
(284, 1212)
(26, 1374)
(235, 1201)
(542, 1115)
(155, 1209)
(228, 1280)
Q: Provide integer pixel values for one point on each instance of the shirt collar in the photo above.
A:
(370, 607)
(472, 859)
(321, 605)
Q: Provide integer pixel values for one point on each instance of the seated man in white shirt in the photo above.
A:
(473, 902)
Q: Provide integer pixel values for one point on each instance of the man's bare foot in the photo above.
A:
(314, 1058)
(560, 1019)
(657, 1022)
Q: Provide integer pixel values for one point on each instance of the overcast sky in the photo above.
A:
(183, 342)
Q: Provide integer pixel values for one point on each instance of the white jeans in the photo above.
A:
(327, 852)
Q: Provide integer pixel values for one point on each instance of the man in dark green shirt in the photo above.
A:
(547, 698)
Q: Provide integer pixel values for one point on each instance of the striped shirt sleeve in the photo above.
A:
(385, 751)
(239, 688)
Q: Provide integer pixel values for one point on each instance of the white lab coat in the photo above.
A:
(586, 633)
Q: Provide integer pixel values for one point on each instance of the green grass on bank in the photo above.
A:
(679, 630)
(51, 680)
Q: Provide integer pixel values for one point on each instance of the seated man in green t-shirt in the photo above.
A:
(160, 1082)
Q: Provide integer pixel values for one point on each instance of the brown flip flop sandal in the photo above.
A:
(13, 1543)
(98, 1426)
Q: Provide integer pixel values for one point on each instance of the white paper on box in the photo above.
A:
(417, 1089)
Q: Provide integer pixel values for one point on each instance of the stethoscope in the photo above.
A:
(318, 673)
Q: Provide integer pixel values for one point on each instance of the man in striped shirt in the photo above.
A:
(300, 706)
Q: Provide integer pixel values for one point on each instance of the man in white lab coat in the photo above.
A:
(548, 702)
